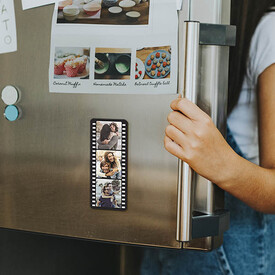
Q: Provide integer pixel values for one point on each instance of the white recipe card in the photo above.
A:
(28, 4)
(114, 50)
(8, 41)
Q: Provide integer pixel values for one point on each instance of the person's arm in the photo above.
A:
(98, 202)
(99, 173)
(106, 141)
(106, 197)
(111, 144)
(118, 166)
(111, 173)
(193, 137)
(115, 201)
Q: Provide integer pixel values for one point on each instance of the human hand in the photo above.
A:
(111, 173)
(193, 137)
(106, 141)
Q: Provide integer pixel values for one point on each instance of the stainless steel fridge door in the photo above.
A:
(45, 156)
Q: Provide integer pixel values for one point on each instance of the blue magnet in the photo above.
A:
(11, 113)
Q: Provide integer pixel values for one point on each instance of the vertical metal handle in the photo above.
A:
(189, 86)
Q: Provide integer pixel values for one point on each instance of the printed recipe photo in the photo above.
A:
(106, 12)
(71, 63)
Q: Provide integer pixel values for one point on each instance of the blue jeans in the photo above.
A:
(248, 247)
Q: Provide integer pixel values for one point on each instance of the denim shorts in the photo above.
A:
(248, 246)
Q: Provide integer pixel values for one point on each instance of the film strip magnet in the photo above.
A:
(109, 164)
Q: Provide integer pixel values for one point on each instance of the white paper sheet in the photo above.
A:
(8, 40)
(28, 4)
(93, 42)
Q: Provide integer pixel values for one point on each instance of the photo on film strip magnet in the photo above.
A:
(109, 164)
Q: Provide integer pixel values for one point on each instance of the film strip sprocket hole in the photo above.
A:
(109, 164)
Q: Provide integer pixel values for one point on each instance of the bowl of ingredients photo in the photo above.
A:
(63, 4)
(102, 63)
(92, 8)
(133, 16)
(115, 10)
(71, 12)
(123, 64)
(127, 5)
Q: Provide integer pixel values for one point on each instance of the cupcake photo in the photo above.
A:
(71, 68)
(82, 63)
(59, 66)
(72, 63)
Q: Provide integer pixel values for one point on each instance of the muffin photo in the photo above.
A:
(72, 62)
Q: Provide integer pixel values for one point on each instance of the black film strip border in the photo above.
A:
(93, 163)
(124, 163)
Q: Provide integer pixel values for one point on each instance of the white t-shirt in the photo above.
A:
(243, 121)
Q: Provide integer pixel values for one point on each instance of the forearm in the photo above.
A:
(111, 173)
(105, 147)
(113, 141)
(99, 142)
(193, 137)
(110, 145)
(252, 184)
(118, 166)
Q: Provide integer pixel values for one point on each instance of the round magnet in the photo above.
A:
(10, 95)
(11, 113)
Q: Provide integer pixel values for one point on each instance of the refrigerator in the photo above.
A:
(45, 159)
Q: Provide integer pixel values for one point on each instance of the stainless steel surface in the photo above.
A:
(185, 11)
(212, 98)
(44, 168)
(210, 11)
(206, 244)
(216, 34)
(183, 15)
(190, 84)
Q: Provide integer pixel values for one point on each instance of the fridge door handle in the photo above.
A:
(191, 41)
(194, 35)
